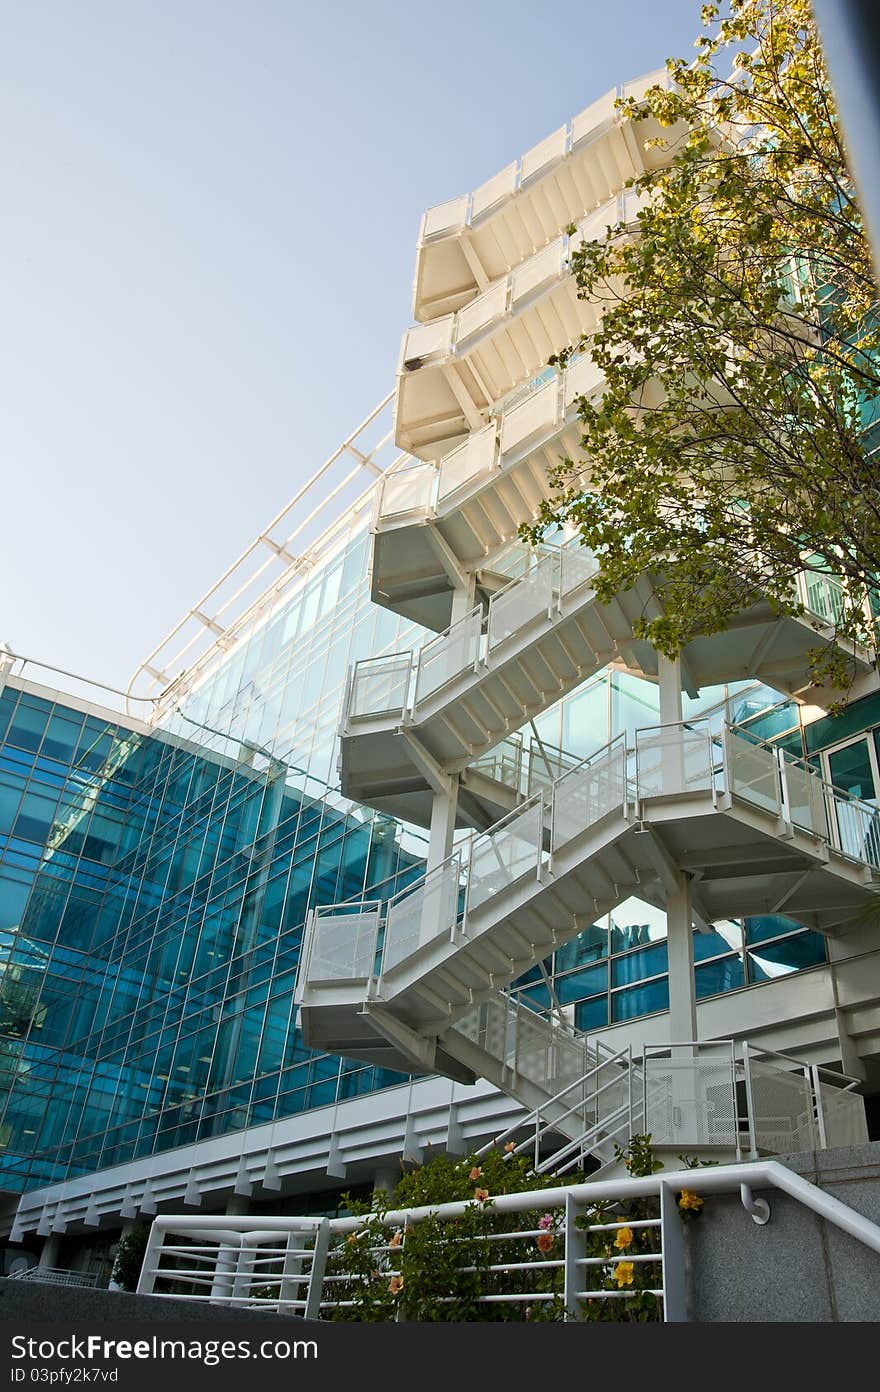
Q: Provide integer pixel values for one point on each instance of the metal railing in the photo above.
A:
(445, 337)
(55, 1276)
(419, 491)
(297, 1266)
(454, 216)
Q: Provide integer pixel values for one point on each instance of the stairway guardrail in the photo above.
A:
(683, 759)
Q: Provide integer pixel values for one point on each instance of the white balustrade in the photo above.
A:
(501, 856)
(500, 186)
(470, 461)
(421, 915)
(521, 602)
(407, 491)
(539, 270)
(582, 378)
(541, 156)
(481, 312)
(586, 794)
(342, 944)
(444, 658)
(445, 218)
(432, 340)
(594, 118)
(534, 416)
(380, 686)
(753, 773)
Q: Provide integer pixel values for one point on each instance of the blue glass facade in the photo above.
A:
(154, 885)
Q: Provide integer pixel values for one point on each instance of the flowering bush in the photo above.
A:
(442, 1269)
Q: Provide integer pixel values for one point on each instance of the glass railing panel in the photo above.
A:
(446, 657)
(481, 311)
(512, 608)
(503, 855)
(380, 686)
(674, 759)
(588, 793)
(535, 415)
(471, 460)
(504, 763)
(542, 155)
(843, 1114)
(582, 378)
(407, 491)
(422, 916)
(494, 189)
(598, 114)
(343, 945)
(429, 340)
(445, 218)
(753, 773)
(539, 270)
(806, 798)
(578, 567)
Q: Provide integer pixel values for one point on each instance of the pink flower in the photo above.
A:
(546, 1222)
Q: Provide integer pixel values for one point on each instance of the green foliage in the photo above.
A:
(737, 330)
(437, 1269)
(130, 1256)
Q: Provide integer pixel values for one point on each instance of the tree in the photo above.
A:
(738, 337)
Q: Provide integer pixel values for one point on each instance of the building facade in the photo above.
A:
(158, 870)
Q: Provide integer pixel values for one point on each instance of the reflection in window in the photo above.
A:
(786, 956)
(640, 1000)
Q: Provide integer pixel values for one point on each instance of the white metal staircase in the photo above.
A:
(695, 814)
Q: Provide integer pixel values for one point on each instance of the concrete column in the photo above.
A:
(50, 1250)
(386, 1179)
(237, 1205)
(839, 949)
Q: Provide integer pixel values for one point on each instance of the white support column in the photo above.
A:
(679, 929)
(463, 599)
(386, 1179)
(669, 673)
(444, 807)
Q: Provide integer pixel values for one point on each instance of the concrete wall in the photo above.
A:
(797, 1267)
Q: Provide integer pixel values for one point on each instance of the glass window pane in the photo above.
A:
(720, 939)
(582, 983)
(588, 946)
(786, 956)
(768, 926)
(637, 965)
(724, 975)
(640, 1000)
(591, 1014)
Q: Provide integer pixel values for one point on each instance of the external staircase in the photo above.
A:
(697, 817)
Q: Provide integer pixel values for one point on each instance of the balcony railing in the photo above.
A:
(451, 218)
(455, 333)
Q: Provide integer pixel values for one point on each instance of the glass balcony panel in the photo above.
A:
(587, 794)
(581, 379)
(538, 271)
(500, 857)
(380, 686)
(578, 566)
(534, 416)
(481, 312)
(343, 946)
(752, 773)
(519, 604)
(806, 799)
(470, 461)
(591, 120)
(446, 657)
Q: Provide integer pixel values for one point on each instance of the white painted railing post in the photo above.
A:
(318, 1271)
(675, 1305)
(575, 1252)
(146, 1280)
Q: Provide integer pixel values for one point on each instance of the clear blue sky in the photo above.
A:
(209, 213)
